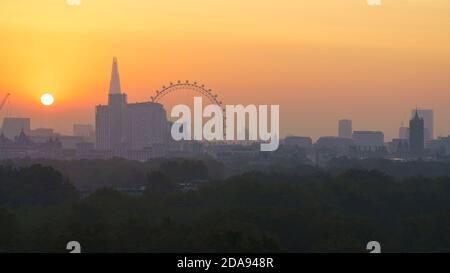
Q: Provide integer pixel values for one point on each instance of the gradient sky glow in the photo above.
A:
(321, 60)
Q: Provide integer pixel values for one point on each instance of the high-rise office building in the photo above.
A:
(148, 124)
(416, 136)
(428, 118)
(120, 125)
(345, 128)
(112, 119)
(12, 127)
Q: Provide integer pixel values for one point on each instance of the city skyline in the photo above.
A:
(234, 135)
(115, 88)
(319, 60)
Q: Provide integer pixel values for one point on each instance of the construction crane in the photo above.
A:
(4, 101)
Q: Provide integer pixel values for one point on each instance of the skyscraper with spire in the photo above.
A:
(417, 136)
(117, 104)
(428, 119)
(114, 85)
(124, 126)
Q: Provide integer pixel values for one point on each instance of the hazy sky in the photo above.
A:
(321, 60)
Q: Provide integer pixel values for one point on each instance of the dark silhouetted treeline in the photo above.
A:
(296, 210)
(35, 185)
(397, 169)
(118, 172)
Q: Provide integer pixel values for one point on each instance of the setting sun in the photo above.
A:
(47, 99)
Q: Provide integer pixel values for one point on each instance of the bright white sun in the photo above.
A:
(47, 99)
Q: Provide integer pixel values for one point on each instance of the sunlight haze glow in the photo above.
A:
(320, 60)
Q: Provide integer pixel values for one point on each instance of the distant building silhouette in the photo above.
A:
(114, 84)
(339, 145)
(403, 133)
(428, 118)
(148, 124)
(440, 147)
(86, 131)
(399, 147)
(23, 146)
(368, 140)
(298, 141)
(43, 132)
(123, 126)
(300, 145)
(416, 136)
(329, 147)
(345, 128)
(12, 127)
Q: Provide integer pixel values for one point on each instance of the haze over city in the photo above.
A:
(320, 60)
(225, 135)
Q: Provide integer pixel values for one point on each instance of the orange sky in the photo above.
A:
(321, 60)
